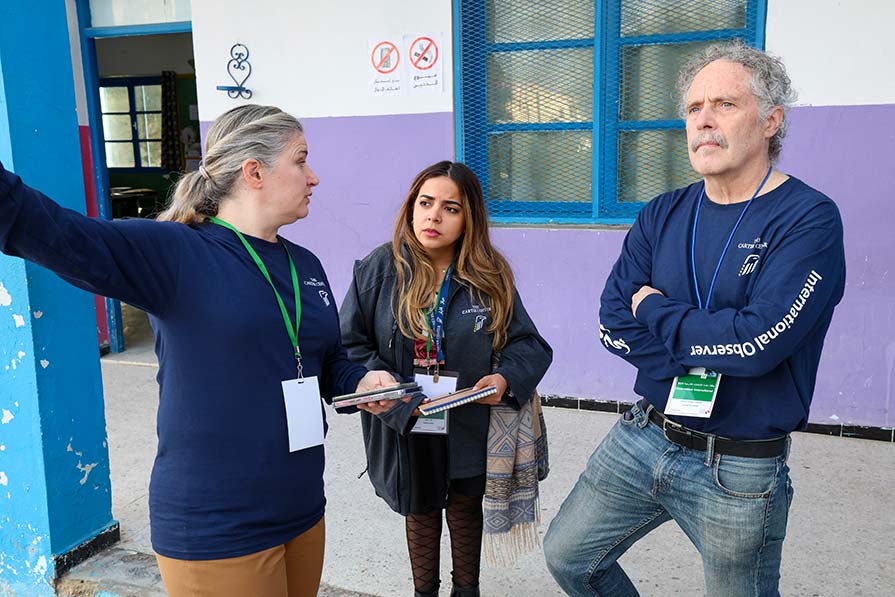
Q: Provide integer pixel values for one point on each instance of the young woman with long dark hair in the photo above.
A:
(438, 299)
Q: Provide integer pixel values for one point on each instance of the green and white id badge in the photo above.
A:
(693, 395)
(304, 414)
(447, 382)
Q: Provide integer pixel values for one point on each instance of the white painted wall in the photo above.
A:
(312, 58)
(837, 52)
(144, 55)
(106, 13)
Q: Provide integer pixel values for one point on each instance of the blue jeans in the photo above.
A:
(733, 509)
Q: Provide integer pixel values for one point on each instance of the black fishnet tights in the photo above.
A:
(465, 521)
(464, 516)
(424, 545)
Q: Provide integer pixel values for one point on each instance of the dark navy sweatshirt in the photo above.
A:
(224, 483)
(764, 328)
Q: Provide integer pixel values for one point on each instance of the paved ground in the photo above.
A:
(841, 539)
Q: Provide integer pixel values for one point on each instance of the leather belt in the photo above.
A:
(696, 440)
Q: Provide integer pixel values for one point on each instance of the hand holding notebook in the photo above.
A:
(498, 381)
(458, 398)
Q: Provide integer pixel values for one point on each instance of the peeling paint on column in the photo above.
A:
(7, 417)
(44, 363)
(38, 314)
(86, 470)
(3, 479)
(20, 321)
(5, 298)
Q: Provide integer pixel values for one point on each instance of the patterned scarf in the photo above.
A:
(517, 460)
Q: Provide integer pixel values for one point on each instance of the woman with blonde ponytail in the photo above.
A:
(439, 304)
(247, 342)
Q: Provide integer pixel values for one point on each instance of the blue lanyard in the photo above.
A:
(436, 317)
(727, 246)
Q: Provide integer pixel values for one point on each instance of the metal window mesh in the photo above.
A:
(651, 162)
(540, 166)
(527, 20)
(655, 17)
(541, 86)
(533, 129)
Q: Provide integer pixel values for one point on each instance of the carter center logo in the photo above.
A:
(749, 265)
(610, 343)
(325, 296)
(479, 323)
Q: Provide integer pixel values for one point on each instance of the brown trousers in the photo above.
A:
(289, 570)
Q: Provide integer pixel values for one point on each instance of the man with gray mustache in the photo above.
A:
(721, 298)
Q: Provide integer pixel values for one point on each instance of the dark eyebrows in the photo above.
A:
(451, 201)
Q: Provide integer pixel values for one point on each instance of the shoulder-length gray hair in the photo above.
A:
(245, 132)
(770, 83)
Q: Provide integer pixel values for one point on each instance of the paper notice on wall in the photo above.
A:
(386, 69)
(423, 58)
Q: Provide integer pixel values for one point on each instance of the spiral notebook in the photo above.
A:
(458, 398)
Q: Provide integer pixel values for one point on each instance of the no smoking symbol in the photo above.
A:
(385, 57)
(423, 53)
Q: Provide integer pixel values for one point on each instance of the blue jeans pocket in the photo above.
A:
(745, 477)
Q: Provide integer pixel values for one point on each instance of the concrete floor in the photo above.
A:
(841, 539)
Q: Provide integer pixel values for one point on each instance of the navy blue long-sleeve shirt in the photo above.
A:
(772, 303)
(224, 483)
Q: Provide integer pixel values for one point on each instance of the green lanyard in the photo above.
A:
(292, 331)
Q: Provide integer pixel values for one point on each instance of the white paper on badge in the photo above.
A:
(447, 383)
(304, 415)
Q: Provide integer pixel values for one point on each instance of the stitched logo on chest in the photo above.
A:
(755, 245)
(325, 296)
(476, 309)
(479, 323)
(749, 265)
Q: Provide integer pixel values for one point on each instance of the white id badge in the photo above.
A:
(304, 415)
(447, 383)
(693, 395)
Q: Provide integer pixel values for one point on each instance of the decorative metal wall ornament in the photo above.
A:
(239, 70)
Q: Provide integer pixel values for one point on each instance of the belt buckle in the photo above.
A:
(668, 423)
(684, 435)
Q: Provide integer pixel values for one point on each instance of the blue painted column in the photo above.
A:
(55, 494)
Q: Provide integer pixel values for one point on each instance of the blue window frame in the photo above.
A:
(567, 110)
(131, 112)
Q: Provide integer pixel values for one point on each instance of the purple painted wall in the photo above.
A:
(366, 164)
(848, 152)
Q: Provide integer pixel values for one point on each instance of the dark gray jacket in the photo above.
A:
(411, 471)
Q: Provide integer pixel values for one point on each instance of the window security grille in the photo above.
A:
(568, 110)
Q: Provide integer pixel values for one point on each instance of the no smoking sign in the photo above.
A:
(423, 53)
(405, 65)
